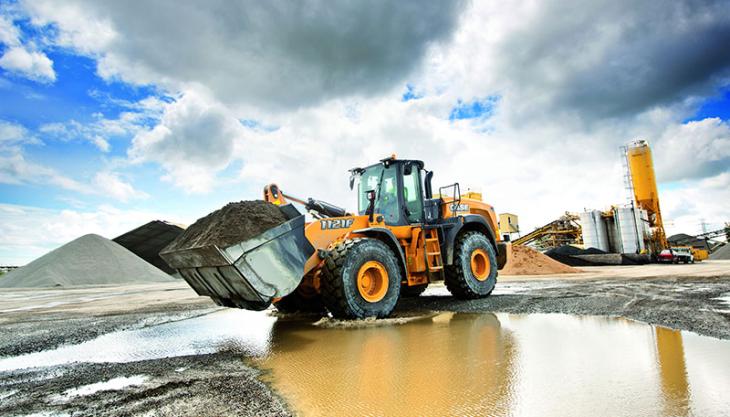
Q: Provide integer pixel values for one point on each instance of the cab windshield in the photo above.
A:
(384, 182)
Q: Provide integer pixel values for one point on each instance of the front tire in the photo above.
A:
(361, 278)
(473, 273)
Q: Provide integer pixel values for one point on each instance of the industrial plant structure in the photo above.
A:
(636, 227)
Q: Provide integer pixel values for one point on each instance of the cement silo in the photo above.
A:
(630, 229)
(643, 182)
(594, 231)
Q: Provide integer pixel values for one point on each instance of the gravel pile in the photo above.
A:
(527, 261)
(233, 223)
(88, 260)
(722, 253)
(571, 250)
(567, 254)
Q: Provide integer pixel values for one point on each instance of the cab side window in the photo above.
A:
(412, 196)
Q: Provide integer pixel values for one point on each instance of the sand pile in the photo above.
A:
(233, 223)
(88, 260)
(721, 253)
(527, 261)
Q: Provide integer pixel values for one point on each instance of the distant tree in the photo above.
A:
(727, 232)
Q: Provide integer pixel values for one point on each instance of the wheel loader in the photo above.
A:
(403, 237)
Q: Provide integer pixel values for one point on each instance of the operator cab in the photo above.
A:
(399, 189)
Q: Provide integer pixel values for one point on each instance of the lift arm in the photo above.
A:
(322, 209)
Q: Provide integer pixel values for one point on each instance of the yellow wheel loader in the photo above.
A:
(357, 265)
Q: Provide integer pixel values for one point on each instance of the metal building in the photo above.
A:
(508, 224)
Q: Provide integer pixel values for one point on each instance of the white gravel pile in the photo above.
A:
(88, 260)
(722, 253)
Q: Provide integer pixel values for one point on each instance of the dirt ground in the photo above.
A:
(695, 298)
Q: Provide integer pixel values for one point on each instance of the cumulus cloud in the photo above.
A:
(309, 155)
(15, 169)
(9, 34)
(696, 201)
(110, 183)
(101, 143)
(18, 59)
(275, 54)
(13, 134)
(193, 141)
(140, 115)
(31, 64)
(693, 150)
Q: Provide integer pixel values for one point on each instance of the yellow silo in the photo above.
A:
(643, 180)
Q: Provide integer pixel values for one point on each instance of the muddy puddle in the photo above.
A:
(445, 364)
(501, 364)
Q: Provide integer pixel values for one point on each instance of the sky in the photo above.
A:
(115, 113)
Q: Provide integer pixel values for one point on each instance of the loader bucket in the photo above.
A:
(251, 273)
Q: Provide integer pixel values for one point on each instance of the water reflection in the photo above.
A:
(486, 364)
(412, 369)
(446, 364)
(672, 371)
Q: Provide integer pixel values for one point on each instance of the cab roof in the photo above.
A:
(387, 162)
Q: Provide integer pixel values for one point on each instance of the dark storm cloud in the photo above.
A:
(279, 54)
(617, 58)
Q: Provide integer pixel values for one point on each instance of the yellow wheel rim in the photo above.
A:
(480, 266)
(372, 281)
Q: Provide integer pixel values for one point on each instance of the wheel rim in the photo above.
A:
(372, 281)
(480, 266)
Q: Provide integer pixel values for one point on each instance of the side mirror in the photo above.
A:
(352, 180)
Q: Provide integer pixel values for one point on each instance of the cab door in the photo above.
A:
(412, 193)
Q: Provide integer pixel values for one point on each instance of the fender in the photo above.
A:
(469, 222)
(387, 237)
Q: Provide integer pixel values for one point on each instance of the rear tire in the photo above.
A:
(473, 273)
(361, 278)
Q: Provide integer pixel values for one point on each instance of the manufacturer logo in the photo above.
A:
(458, 207)
(328, 224)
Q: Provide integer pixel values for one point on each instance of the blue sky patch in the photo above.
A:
(77, 94)
(476, 109)
(257, 125)
(715, 107)
(411, 94)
